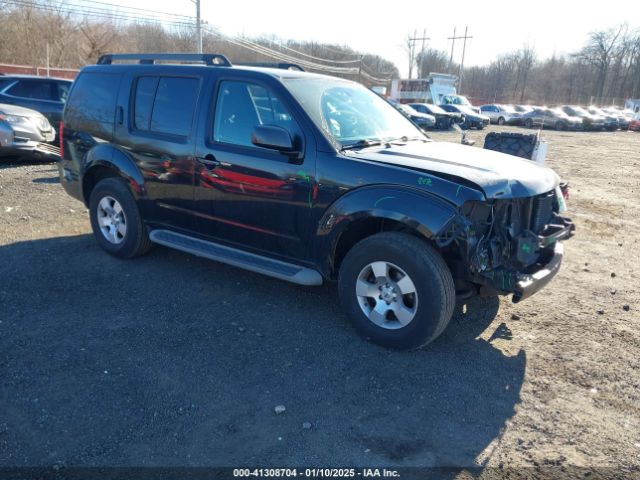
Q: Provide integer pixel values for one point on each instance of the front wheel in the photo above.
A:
(115, 219)
(397, 290)
(501, 121)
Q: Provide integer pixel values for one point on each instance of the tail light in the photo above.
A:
(61, 139)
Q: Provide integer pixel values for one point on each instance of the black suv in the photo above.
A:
(46, 95)
(305, 178)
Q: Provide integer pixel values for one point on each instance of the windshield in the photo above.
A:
(349, 112)
(455, 100)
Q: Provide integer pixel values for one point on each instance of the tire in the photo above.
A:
(528, 123)
(517, 144)
(481, 126)
(123, 235)
(560, 125)
(430, 305)
(501, 121)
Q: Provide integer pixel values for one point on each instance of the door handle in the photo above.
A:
(209, 161)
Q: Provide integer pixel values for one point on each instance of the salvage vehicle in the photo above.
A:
(501, 114)
(46, 95)
(306, 178)
(551, 118)
(589, 121)
(611, 121)
(444, 120)
(471, 118)
(422, 120)
(25, 132)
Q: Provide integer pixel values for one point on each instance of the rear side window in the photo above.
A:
(35, 89)
(93, 98)
(165, 105)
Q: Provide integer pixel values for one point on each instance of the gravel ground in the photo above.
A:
(170, 360)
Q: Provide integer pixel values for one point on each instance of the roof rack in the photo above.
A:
(282, 66)
(211, 59)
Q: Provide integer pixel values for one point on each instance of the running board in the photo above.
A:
(237, 258)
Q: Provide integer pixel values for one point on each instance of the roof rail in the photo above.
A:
(212, 59)
(282, 66)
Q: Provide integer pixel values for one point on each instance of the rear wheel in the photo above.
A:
(528, 123)
(115, 220)
(397, 290)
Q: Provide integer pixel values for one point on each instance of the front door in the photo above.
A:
(248, 195)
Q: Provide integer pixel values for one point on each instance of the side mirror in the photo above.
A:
(273, 138)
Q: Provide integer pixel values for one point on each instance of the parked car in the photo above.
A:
(501, 114)
(471, 118)
(306, 178)
(444, 119)
(611, 122)
(551, 118)
(624, 116)
(46, 95)
(423, 120)
(25, 132)
(590, 121)
(634, 125)
(523, 108)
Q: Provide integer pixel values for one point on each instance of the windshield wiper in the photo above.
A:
(366, 142)
(406, 139)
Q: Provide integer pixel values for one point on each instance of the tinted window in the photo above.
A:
(174, 105)
(241, 106)
(93, 98)
(143, 105)
(36, 89)
(63, 91)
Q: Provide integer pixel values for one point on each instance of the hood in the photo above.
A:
(498, 175)
(20, 111)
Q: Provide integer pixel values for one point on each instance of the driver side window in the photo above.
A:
(241, 106)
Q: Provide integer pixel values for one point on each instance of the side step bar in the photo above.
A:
(237, 258)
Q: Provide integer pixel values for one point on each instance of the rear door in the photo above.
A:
(155, 126)
(247, 195)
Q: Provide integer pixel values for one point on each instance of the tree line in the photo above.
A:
(606, 70)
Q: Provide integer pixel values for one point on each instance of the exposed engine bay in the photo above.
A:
(500, 244)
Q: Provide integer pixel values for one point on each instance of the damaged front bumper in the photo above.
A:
(531, 283)
(523, 284)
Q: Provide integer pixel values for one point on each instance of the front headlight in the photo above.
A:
(13, 119)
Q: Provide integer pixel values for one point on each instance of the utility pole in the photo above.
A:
(413, 41)
(464, 48)
(453, 42)
(198, 26)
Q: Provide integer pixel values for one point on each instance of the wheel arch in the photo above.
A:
(370, 210)
(105, 162)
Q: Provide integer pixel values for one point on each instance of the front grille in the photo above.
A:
(542, 211)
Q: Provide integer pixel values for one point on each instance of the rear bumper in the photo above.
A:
(537, 280)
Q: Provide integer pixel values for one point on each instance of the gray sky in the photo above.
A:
(497, 26)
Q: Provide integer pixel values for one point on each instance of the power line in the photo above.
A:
(95, 12)
(142, 10)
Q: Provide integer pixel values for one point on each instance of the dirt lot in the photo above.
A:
(170, 360)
